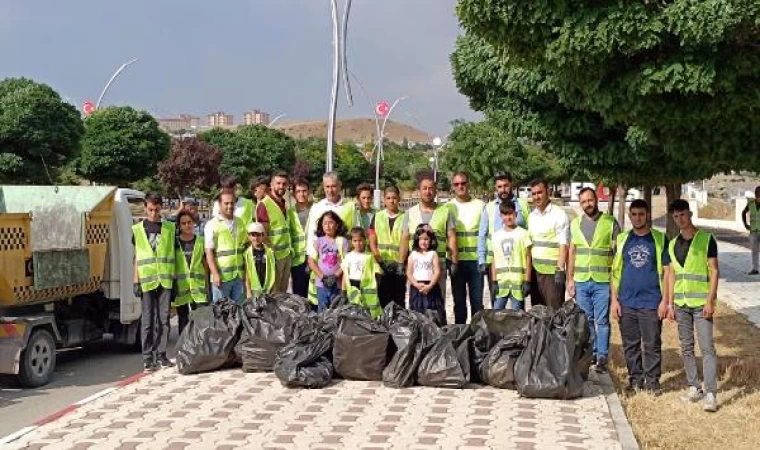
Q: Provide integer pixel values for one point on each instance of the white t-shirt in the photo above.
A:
(355, 263)
(503, 241)
(553, 218)
(422, 265)
(208, 232)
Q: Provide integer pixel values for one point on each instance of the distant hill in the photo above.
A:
(354, 130)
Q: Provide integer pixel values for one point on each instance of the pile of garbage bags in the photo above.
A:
(541, 354)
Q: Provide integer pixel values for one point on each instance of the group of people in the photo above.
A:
(339, 245)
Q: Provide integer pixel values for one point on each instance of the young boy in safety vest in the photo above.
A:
(155, 270)
(693, 290)
(259, 263)
(512, 265)
(360, 273)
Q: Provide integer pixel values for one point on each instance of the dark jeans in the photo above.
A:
(467, 278)
(299, 279)
(155, 323)
(641, 328)
(543, 291)
(183, 316)
(392, 288)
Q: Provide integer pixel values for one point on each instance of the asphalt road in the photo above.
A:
(79, 373)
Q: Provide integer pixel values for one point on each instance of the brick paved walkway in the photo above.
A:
(230, 409)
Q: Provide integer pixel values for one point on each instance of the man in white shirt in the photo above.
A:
(549, 230)
(333, 201)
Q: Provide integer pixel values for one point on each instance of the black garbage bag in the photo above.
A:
(413, 334)
(546, 368)
(306, 362)
(208, 340)
(270, 323)
(297, 303)
(489, 327)
(361, 349)
(572, 318)
(447, 363)
(339, 308)
(497, 369)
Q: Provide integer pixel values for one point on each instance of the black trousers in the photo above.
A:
(544, 291)
(642, 329)
(155, 323)
(299, 279)
(392, 288)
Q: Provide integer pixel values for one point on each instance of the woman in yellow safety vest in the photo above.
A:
(192, 269)
(385, 244)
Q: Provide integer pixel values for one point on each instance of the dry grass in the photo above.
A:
(666, 423)
(354, 130)
(717, 209)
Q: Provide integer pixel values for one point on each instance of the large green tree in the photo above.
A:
(349, 163)
(252, 150)
(39, 133)
(482, 150)
(681, 78)
(121, 146)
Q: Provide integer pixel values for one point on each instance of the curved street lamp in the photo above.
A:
(380, 138)
(340, 59)
(113, 77)
(273, 121)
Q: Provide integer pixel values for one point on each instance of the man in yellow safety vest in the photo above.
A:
(693, 291)
(272, 212)
(589, 264)
(751, 219)
(225, 241)
(155, 247)
(298, 215)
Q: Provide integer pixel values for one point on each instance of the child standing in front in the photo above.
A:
(330, 247)
(423, 272)
(360, 271)
(511, 261)
(259, 263)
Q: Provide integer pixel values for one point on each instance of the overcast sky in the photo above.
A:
(234, 55)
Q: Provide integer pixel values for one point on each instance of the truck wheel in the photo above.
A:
(37, 360)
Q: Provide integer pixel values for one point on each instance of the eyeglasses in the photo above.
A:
(463, 183)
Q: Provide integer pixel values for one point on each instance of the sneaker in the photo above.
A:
(753, 272)
(693, 395)
(710, 403)
(165, 362)
(601, 365)
(149, 367)
(633, 388)
(655, 391)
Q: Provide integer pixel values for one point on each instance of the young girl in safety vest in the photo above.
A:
(330, 247)
(259, 263)
(423, 272)
(360, 271)
(192, 269)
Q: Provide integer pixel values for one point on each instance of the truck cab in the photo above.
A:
(66, 272)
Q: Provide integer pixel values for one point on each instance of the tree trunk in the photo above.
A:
(622, 194)
(611, 202)
(648, 199)
(672, 192)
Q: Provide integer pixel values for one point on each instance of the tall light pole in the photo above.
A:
(113, 77)
(340, 59)
(380, 138)
(437, 142)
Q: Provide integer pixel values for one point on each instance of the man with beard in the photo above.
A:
(592, 237)
(440, 220)
(490, 222)
(272, 212)
(639, 292)
(298, 216)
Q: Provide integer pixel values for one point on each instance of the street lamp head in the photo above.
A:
(437, 141)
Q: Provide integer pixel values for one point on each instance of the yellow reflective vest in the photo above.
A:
(593, 261)
(259, 287)
(511, 273)
(617, 262)
(692, 285)
(191, 279)
(228, 249)
(366, 295)
(467, 218)
(279, 230)
(438, 223)
(388, 240)
(155, 268)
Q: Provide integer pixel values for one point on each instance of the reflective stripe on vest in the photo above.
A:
(248, 214)
(191, 280)
(510, 275)
(279, 230)
(297, 237)
(388, 241)
(593, 262)
(257, 287)
(618, 262)
(692, 285)
(155, 268)
(438, 223)
(228, 249)
(312, 293)
(366, 295)
(467, 219)
(754, 216)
